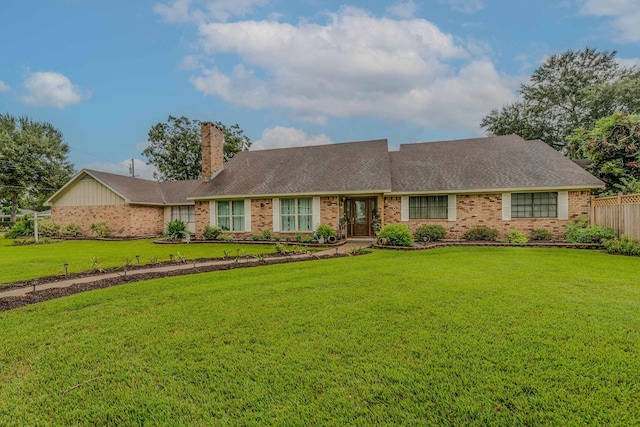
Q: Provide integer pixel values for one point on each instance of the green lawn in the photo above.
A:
(28, 262)
(448, 337)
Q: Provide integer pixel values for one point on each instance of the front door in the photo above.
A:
(360, 217)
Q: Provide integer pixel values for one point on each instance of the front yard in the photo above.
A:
(455, 336)
(28, 262)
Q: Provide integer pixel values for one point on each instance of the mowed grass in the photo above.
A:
(449, 337)
(27, 262)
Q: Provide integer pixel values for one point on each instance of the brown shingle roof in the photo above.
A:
(334, 168)
(141, 191)
(495, 163)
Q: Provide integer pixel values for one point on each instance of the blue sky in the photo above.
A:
(289, 73)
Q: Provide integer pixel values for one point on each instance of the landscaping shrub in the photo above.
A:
(515, 236)
(481, 232)
(396, 235)
(256, 237)
(623, 246)
(266, 234)
(540, 234)
(433, 231)
(580, 231)
(325, 231)
(22, 227)
(100, 229)
(211, 233)
(71, 229)
(176, 229)
(48, 228)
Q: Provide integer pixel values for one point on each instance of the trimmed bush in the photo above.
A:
(176, 229)
(623, 246)
(580, 231)
(396, 235)
(325, 231)
(21, 228)
(540, 234)
(211, 233)
(100, 229)
(515, 236)
(266, 234)
(71, 229)
(432, 231)
(48, 228)
(481, 232)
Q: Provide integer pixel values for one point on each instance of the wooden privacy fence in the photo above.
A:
(621, 212)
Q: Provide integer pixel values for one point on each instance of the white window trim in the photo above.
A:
(506, 206)
(247, 215)
(404, 208)
(213, 215)
(314, 216)
(563, 205)
(275, 203)
(451, 208)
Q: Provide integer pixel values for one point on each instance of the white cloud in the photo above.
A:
(355, 65)
(624, 15)
(629, 62)
(4, 87)
(218, 10)
(280, 137)
(405, 10)
(51, 89)
(465, 6)
(142, 170)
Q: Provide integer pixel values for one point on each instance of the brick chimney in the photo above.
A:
(212, 149)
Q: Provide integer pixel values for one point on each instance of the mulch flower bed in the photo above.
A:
(9, 303)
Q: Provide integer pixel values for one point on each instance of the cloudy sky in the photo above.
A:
(288, 72)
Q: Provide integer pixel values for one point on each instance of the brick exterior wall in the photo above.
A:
(261, 216)
(123, 220)
(330, 211)
(472, 210)
(486, 209)
(201, 212)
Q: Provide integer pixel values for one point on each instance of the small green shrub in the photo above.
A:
(71, 229)
(396, 235)
(298, 237)
(266, 234)
(623, 246)
(580, 231)
(22, 227)
(100, 229)
(227, 237)
(432, 231)
(256, 237)
(481, 232)
(325, 231)
(211, 233)
(48, 228)
(540, 234)
(176, 229)
(515, 236)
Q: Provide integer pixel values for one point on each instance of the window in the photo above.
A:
(231, 215)
(534, 205)
(428, 207)
(295, 214)
(185, 214)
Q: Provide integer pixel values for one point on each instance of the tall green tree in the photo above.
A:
(569, 90)
(33, 159)
(613, 146)
(175, 147)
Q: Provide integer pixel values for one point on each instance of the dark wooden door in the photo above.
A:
(360, 217)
